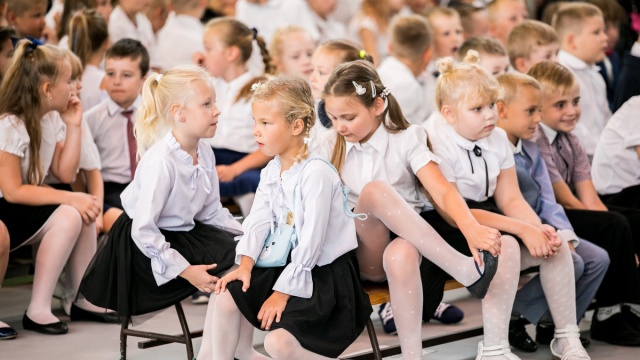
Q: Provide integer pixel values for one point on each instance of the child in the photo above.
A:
(291, 49)
(616, 163)
(569, 171)
(89, 37)
(474, 18)
(530, 43)
(228, 46)
(129, 21)
(31, 146)
(381, 158)
(174, 237)
(518, 115)
(447, 30)
(112, 121)
(102, 7)
(369, 28)
(404, 71)
(583, 42)
(328, 28)
(504, 15)
(6, 49)
(300, 304)
(182, 31)
(27, 17)
(478, 160)
(493, 55)
(158, 13)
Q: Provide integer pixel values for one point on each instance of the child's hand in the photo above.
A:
(272, 308)
(73, 115)
(99, 223)
(536, 241)
(241, 274)
(482, 237)
(552, 236)
(198, 276)
(226, 173)
(86, 204)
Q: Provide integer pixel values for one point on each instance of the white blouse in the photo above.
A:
(392, 158)
(15, 140)
(324, 231)
(461, 166)
(169, 192)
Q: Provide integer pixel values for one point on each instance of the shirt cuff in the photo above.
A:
(167, 265)
(295, 280)
(569, 236)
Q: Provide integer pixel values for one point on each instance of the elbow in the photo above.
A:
(10, 196)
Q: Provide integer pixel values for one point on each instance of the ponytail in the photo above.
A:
(88, 31)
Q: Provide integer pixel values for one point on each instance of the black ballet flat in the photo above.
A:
(481, 286)
(80, 314)
(57, 328)
(7, 333)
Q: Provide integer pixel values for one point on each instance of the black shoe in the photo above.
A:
(481, 286)
(631, 317)
(57, 328)
(7, 333)
(615, 330)
(519, 338)
(80, 314)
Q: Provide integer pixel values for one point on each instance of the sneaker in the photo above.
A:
(200, 297)
(614, 330)
(386, 316)
(632, 317)
(448, 313)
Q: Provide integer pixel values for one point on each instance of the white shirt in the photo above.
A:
(274, 14)
(180, 37)
(109, 129)
(15, 140)
(120, 27)
(411, 92)
(615, 164)
(593, 101)
(392, 158)
(360, 22)
(170, 193)
(324, 231)
(235, 124)
(328, 29)
(461, 166)
(91, 94)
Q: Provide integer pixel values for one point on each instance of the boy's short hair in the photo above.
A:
(19, 7)
(512, 82)
(184, 5)
(441, 11)
(571, 17)
(466, 11)
(612, 11)
(132, 49)
(552, 76)
(494, 6)
(482, 44)
(411, 36)
(524, 37)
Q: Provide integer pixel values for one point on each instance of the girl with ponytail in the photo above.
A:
(174, 237)
(228, 46)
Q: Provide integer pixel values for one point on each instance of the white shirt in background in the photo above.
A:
(274, 14)
(410, 91)
(91, 94)
(120, 27)
(180, 37)
(360, 22)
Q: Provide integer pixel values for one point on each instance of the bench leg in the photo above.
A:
(377, 354)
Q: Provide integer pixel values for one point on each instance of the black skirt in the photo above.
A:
(327, 322)
(120, 277)
(24, 221)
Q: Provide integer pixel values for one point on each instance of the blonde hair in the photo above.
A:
(341, 83)
(411, 36)
(483, 45)
(345, 50)
(552, 77)
(494, 7)
(292, 96)
(512, 82)
(159, 93)
(571, 17)
(526, 36)
(279, 39)
(464, 81)
(185, 5)
(20, 95)
(76, 64)
(441, 11)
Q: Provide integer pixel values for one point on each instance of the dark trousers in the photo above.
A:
(627, 203)
(112, 193)
(611, 231)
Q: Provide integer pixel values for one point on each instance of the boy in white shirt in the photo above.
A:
(583, 43)
(504, 15)
(183, 31)
(328, 27)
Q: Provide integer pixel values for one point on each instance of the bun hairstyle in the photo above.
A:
(292, 96)
(464, 81)
(359, 80)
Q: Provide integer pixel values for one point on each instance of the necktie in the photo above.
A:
(131, 141)
(478, 152)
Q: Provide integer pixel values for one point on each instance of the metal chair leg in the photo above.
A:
(377, 354)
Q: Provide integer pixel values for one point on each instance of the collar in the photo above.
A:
(378, 141)
(464, 143)
(517, 148)
(234, 86)
(549, 133)
(113, 108)
(575, 63)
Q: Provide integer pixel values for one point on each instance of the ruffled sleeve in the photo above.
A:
(14, 138)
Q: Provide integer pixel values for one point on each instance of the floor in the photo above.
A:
(96, 341)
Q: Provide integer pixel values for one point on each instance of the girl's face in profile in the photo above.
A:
(351, 119)
(323, 62)
(472, 119)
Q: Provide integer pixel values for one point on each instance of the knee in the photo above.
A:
(399, 258)
(578, 265)
(4, 239)
(509, 246)
(68, 217)
(224, 303)
(280, 344)
(375, 190)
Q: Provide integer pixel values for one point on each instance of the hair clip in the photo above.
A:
(385, 93)
(158, 77)
(255, 33)
(373, 89)
(255, 86)
(359, 88)
(363, 54)
(307, 140)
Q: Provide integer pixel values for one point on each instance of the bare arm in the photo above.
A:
(565, 197)
(588, 196)
(66, 156)
(368, 39)
(255, 160)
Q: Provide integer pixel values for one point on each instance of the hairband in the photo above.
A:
(255, 33)
(31, 45)
(255, 86)
(363, 54)
(158, 77)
